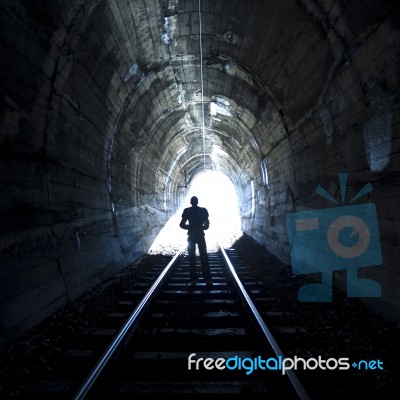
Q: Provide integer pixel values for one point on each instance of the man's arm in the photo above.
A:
(206, 222)
(183, 223)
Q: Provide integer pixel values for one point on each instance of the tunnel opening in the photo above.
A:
(218, 195)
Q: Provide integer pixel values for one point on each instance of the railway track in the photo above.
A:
(183, 341)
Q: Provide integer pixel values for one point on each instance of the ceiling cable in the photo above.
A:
(202, 88)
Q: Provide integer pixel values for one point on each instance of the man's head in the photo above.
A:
(194, 201)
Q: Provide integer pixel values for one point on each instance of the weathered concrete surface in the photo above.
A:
(101, 114)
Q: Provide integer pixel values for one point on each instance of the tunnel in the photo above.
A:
(110, 109)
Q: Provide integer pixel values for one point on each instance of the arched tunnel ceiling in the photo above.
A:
(131, 72)
(154, 81)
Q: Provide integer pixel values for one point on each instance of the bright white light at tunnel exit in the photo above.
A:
(217, 194)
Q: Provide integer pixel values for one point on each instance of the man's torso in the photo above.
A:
(196, 217)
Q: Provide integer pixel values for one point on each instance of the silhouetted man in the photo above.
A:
(198, 223)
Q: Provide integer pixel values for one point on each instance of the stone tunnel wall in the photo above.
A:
(73, 210)
(355, 129)
(81, 192)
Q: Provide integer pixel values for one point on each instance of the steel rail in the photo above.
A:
(267, 333)
(122, 333)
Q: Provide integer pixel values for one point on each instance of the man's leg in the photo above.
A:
(204, 258)
(192, 259)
